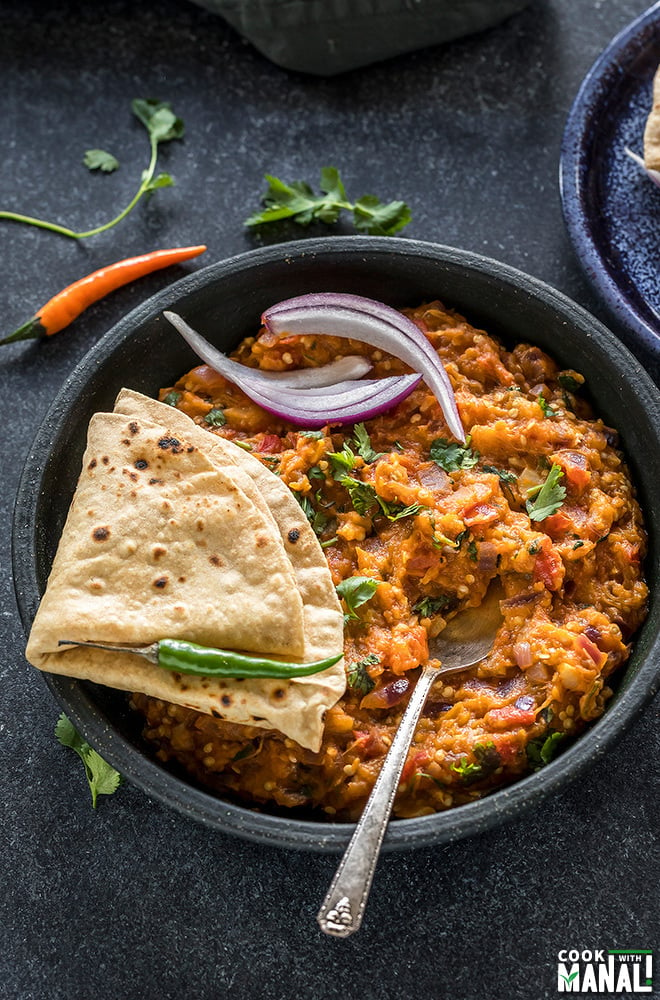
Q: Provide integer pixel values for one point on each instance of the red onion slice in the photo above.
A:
(339, 314)
(344, 402)
(350, 367)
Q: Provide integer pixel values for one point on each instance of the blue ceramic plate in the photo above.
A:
(611, 208)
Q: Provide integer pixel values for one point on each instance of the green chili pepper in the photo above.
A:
(183, 657)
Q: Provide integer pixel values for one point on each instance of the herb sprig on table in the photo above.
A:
(101, 777)
(162, 125)
(298, 202)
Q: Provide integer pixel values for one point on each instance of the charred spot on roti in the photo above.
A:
(170, 444)
(101, 534)
(92, 464)
(199, 524)
(216, 714)
(155, 482)
(141, 463)
(293, 536)
(216, 560)
(96, 585)
(131, 475)
(261, 541)
(160, 582)
(278, 694)
(134, 427)
(158, 551)
(105, 459)
(226, 700)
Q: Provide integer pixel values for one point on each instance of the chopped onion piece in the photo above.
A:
(338, 314)
(653, 175)
(350, 367)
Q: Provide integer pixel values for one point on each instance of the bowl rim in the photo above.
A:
(74, 698)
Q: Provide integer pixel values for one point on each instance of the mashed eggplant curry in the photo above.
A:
(414, 527)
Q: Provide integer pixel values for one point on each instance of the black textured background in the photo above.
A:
(134, 901)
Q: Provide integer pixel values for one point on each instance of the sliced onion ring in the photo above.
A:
(340, 314)
(345, 402)
(351, 367)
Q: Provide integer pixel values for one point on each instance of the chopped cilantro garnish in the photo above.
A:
(101, 777)
(503, 474)
(451, 456)
(569, 382)
(429, 606)
(487, 761)
(316, 518)
(546, 499)
(578, 544)
(546, 408)
(363, 444)
(472, 551)
(357, 674)
(342, 461)
(365, 499)
(315, 435)
(544, 749)
(356, 591)
(172, 398)
(216, 417)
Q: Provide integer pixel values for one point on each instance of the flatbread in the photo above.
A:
(652, 130)
(253, 578)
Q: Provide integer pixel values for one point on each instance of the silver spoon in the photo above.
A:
(467, 639)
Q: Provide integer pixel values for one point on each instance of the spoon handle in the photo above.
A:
(344, 905)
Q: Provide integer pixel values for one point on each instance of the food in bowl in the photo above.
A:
(414, 525)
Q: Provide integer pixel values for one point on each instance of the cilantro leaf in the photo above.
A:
(486, 761)
(154, 183)
(98, 159)
(172, 398)
(546, 499)
(363, 444)
(101, 777)
(356, 591)
(426, 607)
(357, 674)
(569, 382)
(363, 496)
(298, 202)
(158, 118)
(316, 518)
(373, 217)
(504, 475)
(545, 407)
(342, 461)
(216, 417)
(544, 749)
(451, 456)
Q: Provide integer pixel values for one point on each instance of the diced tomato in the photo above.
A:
(421, 563)
(507, 749)
(414, 763)
(548, 568)
(270, 443)
(574, 464)
(558, 524)
(509, 716)
(480, 513)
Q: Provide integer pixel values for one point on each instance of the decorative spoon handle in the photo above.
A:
(343, 907)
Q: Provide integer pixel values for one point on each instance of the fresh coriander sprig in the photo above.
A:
(547, 498)
(162, 125)
(451, 456)
(101, 777)
(298, 202)
(356, 591)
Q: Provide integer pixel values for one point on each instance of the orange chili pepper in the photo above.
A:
(64, 307)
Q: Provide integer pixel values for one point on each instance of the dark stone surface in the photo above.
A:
(134, 901)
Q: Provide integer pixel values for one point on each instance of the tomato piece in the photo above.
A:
(480, 513)
(414, 763)
(270, 443)
(585, 644)
(509, 716)
(548, 568)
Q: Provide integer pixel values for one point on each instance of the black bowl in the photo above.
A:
(224, 301)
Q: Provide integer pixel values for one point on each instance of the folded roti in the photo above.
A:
(254, 577)
(652, 130)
